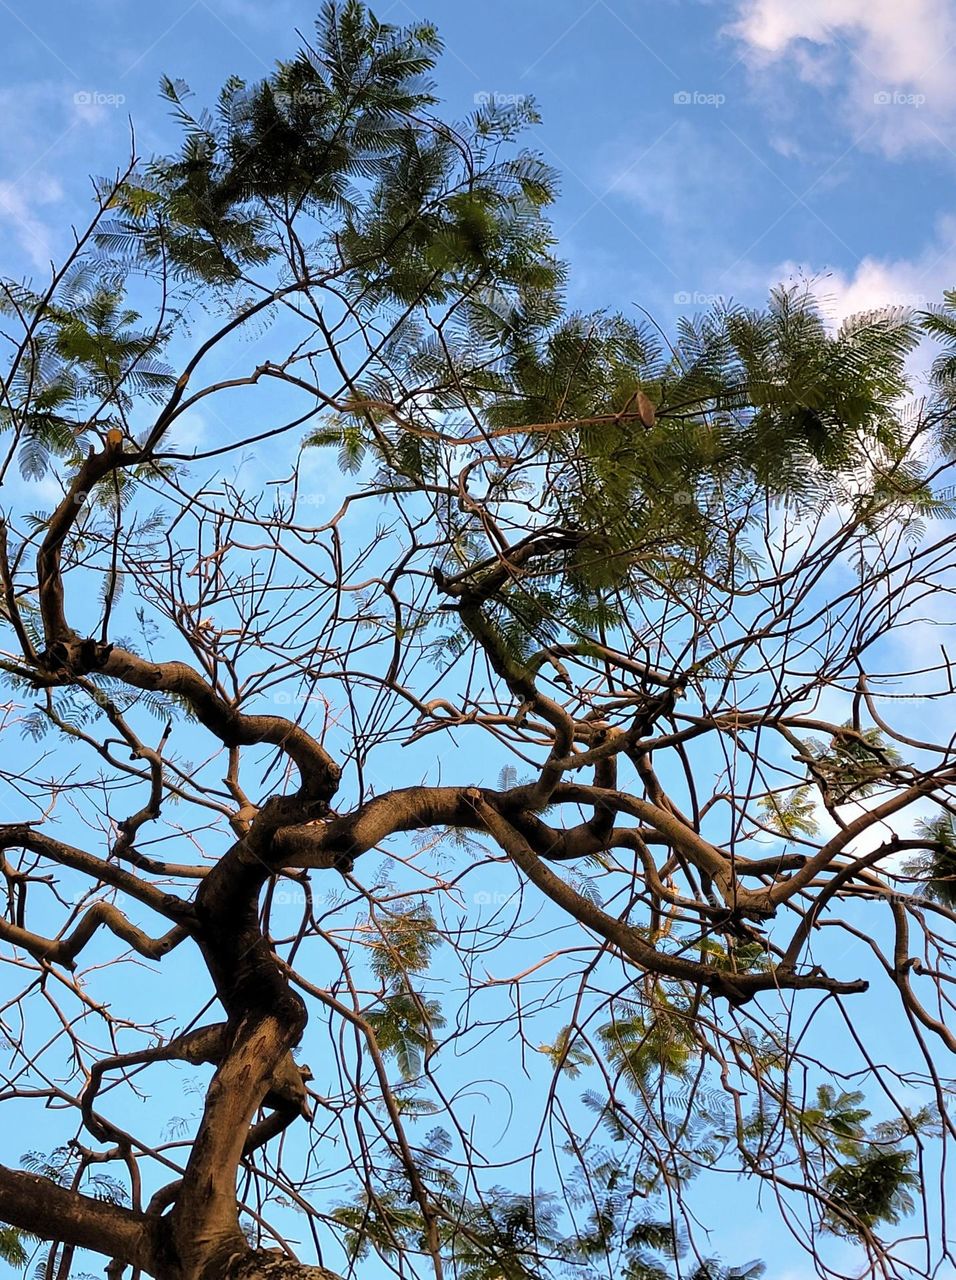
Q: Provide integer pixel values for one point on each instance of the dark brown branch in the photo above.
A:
(52, 1212)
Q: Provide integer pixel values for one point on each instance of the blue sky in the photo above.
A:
(705, 150)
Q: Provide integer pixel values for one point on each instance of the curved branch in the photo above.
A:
(65, 950)
(737, 988)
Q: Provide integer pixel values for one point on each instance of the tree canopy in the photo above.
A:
(498, 781)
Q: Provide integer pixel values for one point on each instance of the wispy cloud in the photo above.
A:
(693, 189)
(914, 283)
(877, 282)
(19, 205)
(889, 65)
(41, 123)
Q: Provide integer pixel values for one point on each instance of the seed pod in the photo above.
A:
(646, 410)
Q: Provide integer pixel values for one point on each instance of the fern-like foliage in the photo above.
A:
(935, 866)
(853, 764)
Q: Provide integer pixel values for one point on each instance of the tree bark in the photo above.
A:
(128, 1238)
(269, 1264)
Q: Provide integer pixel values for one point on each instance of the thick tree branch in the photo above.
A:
(52, 1212)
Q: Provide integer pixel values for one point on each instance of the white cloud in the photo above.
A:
(914, 284)
(190, 432)
(18, 207)
(42, 122)
(902, 825)
(39, 117)
(875, 284)
(891, 64)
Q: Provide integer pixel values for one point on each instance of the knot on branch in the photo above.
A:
(75, 656)
(273, 1264)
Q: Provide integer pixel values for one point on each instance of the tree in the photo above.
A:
(607, 625)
